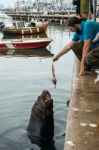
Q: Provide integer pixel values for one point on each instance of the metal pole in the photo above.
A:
(89, 5)
(94, 9)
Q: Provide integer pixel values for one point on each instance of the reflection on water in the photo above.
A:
(41, 52)
(21, 80)
(48, 145)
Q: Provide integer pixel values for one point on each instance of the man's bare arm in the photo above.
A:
(85, 51)
(64, 50)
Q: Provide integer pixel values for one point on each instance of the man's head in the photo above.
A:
(74, 24)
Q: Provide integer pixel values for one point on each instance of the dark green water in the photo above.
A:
(22, 79)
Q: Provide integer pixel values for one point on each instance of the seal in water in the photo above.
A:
(41, 124)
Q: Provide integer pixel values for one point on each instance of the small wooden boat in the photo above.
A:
(24, 43)
(25, 30)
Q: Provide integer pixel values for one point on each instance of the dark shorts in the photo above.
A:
(91, 59)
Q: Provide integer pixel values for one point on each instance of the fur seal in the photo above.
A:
(41, 123)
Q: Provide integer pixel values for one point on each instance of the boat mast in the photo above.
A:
(61, 4)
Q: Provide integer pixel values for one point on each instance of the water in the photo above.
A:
(22, 79)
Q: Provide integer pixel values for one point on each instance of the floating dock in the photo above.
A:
(82, 129)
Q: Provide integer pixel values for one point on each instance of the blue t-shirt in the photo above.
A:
(89, 29)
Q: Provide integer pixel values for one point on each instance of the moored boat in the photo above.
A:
(25, 30)
(24, 43)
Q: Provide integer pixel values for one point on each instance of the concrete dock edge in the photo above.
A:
(82, 129)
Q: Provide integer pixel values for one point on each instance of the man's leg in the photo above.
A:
(77, 49)
(92, 58)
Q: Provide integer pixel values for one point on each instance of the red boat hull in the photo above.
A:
(24, 45)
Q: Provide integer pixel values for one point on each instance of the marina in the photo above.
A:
(27, 69)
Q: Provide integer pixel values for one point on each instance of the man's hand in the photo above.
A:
(55, 58)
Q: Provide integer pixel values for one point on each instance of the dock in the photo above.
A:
(58, 18)
(82, 129)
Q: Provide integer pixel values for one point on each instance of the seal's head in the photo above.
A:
(46, 96)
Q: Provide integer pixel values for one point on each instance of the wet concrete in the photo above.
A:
(82, 130)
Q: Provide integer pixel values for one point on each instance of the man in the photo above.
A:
(83, 43)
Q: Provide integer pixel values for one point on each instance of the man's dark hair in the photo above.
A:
(73, 20)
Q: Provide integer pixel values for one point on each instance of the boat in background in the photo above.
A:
(21, 29)
(24, 43)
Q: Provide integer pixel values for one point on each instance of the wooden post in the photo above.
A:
(84, 6)
(90, 9)
(94, 9)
